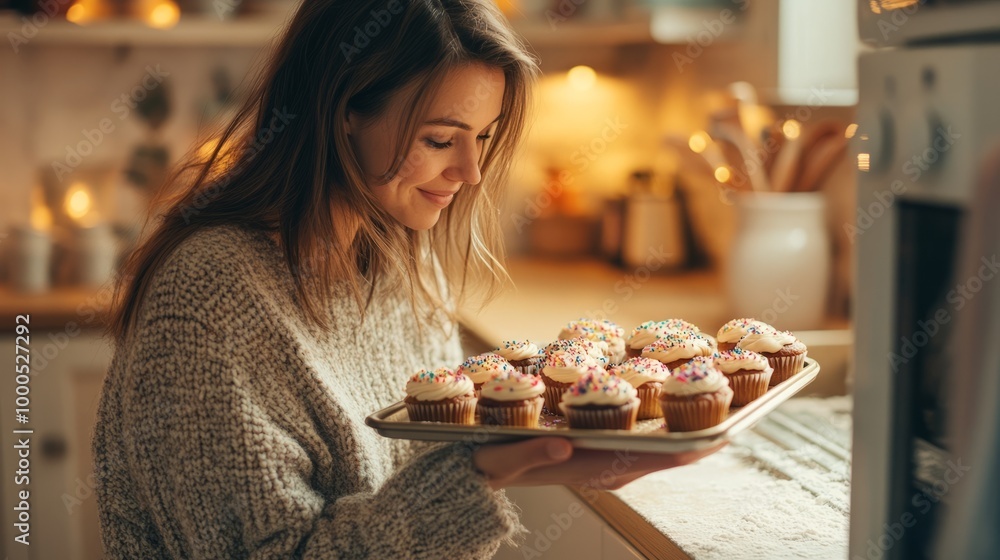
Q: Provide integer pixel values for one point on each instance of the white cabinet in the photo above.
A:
(562, 525)
(67, 372)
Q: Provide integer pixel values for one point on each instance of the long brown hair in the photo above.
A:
(285, 163)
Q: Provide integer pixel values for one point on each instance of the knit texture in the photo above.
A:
(229, 427)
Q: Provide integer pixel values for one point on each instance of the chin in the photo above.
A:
(422, 222)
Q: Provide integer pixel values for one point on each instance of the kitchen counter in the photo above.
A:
(778, 490)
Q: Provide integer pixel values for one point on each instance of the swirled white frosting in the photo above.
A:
(600, 332)
(736, 329)
(673, 347)
(694, 378)
(513, 386)
(516, 350)
(765, 340)
(638, 371)
(737, 359)
(601, 388)
(480, 368)
(568, 366)
(650, 331)
(438, 385)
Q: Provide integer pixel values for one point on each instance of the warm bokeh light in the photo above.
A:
(78, 202)
(875, 7)
(722, 174)
(164, 14)
(83, 12)
(852, 129)
(864, 161)
(698, 142)
(41, 216)
(791, 129)
(582, 77)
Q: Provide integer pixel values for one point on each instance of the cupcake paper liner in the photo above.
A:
(649, 402)
(553, 395)
(522, 416)
(462, 412)
(748, 387)
(785, 367)
(698, 413)
(617, 418)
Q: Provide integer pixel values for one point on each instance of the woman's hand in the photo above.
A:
(553, 460)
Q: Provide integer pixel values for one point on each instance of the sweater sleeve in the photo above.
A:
(224, 477)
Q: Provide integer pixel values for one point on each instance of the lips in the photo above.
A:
(438, 198)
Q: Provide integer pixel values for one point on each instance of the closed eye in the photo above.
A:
(444, 145)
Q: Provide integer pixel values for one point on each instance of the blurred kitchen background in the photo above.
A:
(688, 158)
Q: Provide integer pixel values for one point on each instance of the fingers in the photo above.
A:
(504, 463)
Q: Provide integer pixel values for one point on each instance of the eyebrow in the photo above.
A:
(456, 124)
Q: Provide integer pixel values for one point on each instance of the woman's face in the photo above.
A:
(445, 153)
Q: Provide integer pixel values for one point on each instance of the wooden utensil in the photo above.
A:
(819, 161)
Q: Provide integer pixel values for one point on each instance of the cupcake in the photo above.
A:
(783, 351)
(597, 351)
(734, 330)
(480, 368)
(601, 401)
(522, 354)
(560, 371)
(672, 350)
(440, 396)
(512, 398)
(650, 331)
(748, 373)
(695, 396)
(647, 376)
(602, 331)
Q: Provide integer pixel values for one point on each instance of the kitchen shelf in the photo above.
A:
(539, 33)
(191, 31)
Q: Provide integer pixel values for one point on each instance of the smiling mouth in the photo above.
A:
(441, 199)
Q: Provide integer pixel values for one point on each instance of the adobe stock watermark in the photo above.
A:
(711, 30)
(783, 301)
(913, 168)
(562, 12)
(958, 297)
(656, 258)
(581, 158)
(363, 34)
(122, 107)
(892, 21)
(30, 27)
(921, 503)
(280, 119)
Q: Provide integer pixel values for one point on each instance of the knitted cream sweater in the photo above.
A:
(230, 428)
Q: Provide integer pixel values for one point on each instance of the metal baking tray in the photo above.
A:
(647, 435)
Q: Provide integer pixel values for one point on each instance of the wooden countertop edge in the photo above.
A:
(635, 530)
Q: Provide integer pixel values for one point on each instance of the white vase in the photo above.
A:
(778, 270)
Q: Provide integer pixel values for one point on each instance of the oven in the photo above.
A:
(929, 122)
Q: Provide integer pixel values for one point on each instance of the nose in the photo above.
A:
(465, 167)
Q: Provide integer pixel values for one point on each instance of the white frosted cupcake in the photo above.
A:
(561, 370)
(647, 376)
(731, 333)
(601, 401)
(748, 372)
(783, 351)
(695, 396)
(440, 396)
(651, 331)
(482, 367)
(601, 331)
(522, 354)
(675, 349)
(512, 399)
(596, 350)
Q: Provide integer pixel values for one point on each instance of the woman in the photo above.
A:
(305, 270)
